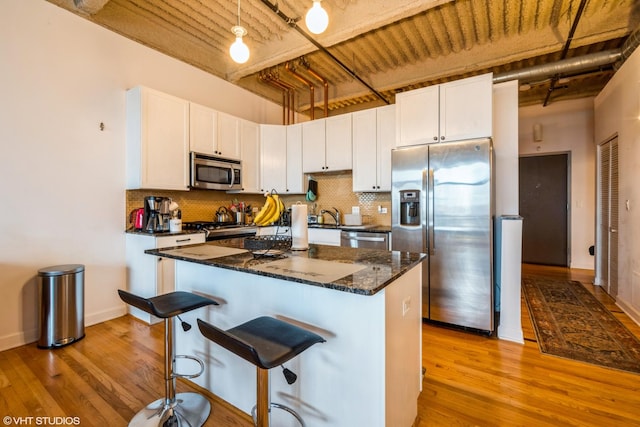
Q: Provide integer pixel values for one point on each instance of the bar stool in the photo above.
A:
(182, 409)
(265, 342)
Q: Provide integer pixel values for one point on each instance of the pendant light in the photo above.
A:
(317, 19)
(239, 51)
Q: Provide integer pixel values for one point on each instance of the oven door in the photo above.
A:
(215, 173)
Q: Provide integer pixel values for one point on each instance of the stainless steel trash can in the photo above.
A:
(61, 302)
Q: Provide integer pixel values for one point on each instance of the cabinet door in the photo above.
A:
(295, 176)
(417, 116)
(364, 150)
(320, 236)
(228, 136)
(386, 137)
(166, 267)
(273, 157)
(466, 108)
(250, 150)
(338, 151)
(203, 124)
(313, 145)
(162, 142)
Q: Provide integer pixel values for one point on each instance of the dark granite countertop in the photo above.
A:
(377, 268)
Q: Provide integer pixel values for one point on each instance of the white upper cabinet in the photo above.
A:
(214, 133)
(326, 144)
(281, 158)
(313, 137)
(466, 108)
(273, 158)
(157, 140)
(373, 139)
(417, 116)
(338, 143)
(452, 111)
(295, 176)
(250, 152)
(203, 129)
(228, 136)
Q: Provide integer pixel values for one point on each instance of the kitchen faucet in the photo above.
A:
(335, 216)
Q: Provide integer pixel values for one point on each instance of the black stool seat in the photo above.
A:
(167, 305)
(266, 342)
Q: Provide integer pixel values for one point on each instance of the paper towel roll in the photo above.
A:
(299, 232)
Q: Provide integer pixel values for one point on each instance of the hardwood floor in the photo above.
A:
(470, 380)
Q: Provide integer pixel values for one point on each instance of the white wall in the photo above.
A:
(568, 128)
(62, 180)
(618, 112)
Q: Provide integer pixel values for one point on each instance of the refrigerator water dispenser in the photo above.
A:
(410, 207)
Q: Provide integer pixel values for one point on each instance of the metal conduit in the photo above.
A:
(285, 97)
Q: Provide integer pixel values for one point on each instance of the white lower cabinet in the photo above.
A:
(148, 275)
(324, 236)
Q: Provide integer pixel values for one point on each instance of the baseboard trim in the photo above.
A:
(26, 337)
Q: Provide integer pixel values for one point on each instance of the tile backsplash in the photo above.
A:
(334, 190)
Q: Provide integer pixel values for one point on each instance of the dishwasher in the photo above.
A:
(365, 239)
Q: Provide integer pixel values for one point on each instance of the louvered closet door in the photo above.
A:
(613, 220)
(607, 259)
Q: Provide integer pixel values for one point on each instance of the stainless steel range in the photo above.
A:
(219, 231)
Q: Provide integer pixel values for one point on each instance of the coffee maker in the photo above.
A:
(156, 214)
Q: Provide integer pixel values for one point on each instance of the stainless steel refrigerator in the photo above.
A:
(442, 205)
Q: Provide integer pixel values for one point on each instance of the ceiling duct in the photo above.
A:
(90, 7)
(324, 81)
(630, 45)
(308, 83)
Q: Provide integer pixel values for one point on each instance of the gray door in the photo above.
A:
(543, 206)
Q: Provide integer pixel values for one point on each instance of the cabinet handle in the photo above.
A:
(374, 187)
(442, 138)
(435, 138)
(183, 240)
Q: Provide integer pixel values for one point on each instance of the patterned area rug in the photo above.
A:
(570, 322)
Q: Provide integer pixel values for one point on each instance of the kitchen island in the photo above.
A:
(365, 303)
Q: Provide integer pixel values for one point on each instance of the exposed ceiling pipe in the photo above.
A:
(285, 96)
(307, 82)
(288, 95)
(292, 23)
(572, 65)
(565, 49)
(324, 81)
(629, 46)
(291, 91)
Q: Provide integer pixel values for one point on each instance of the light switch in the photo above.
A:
(406, 305)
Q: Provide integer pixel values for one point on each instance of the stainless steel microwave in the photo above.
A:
(215, 173)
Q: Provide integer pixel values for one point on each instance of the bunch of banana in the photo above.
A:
(271, 211)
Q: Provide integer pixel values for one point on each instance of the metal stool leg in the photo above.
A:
(261, 413)
(174, 410)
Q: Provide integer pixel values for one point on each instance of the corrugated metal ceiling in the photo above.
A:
(393, 46)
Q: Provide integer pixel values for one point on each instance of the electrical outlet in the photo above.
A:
(406, 305)
(355, 210)
(382, 210)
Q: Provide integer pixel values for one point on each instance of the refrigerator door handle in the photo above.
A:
(430, 211)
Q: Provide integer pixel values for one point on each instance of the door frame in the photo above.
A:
(568, 183)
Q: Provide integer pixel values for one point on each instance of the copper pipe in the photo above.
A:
(307, 82)
(291, 90)
(324, 81)
(285, 96)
